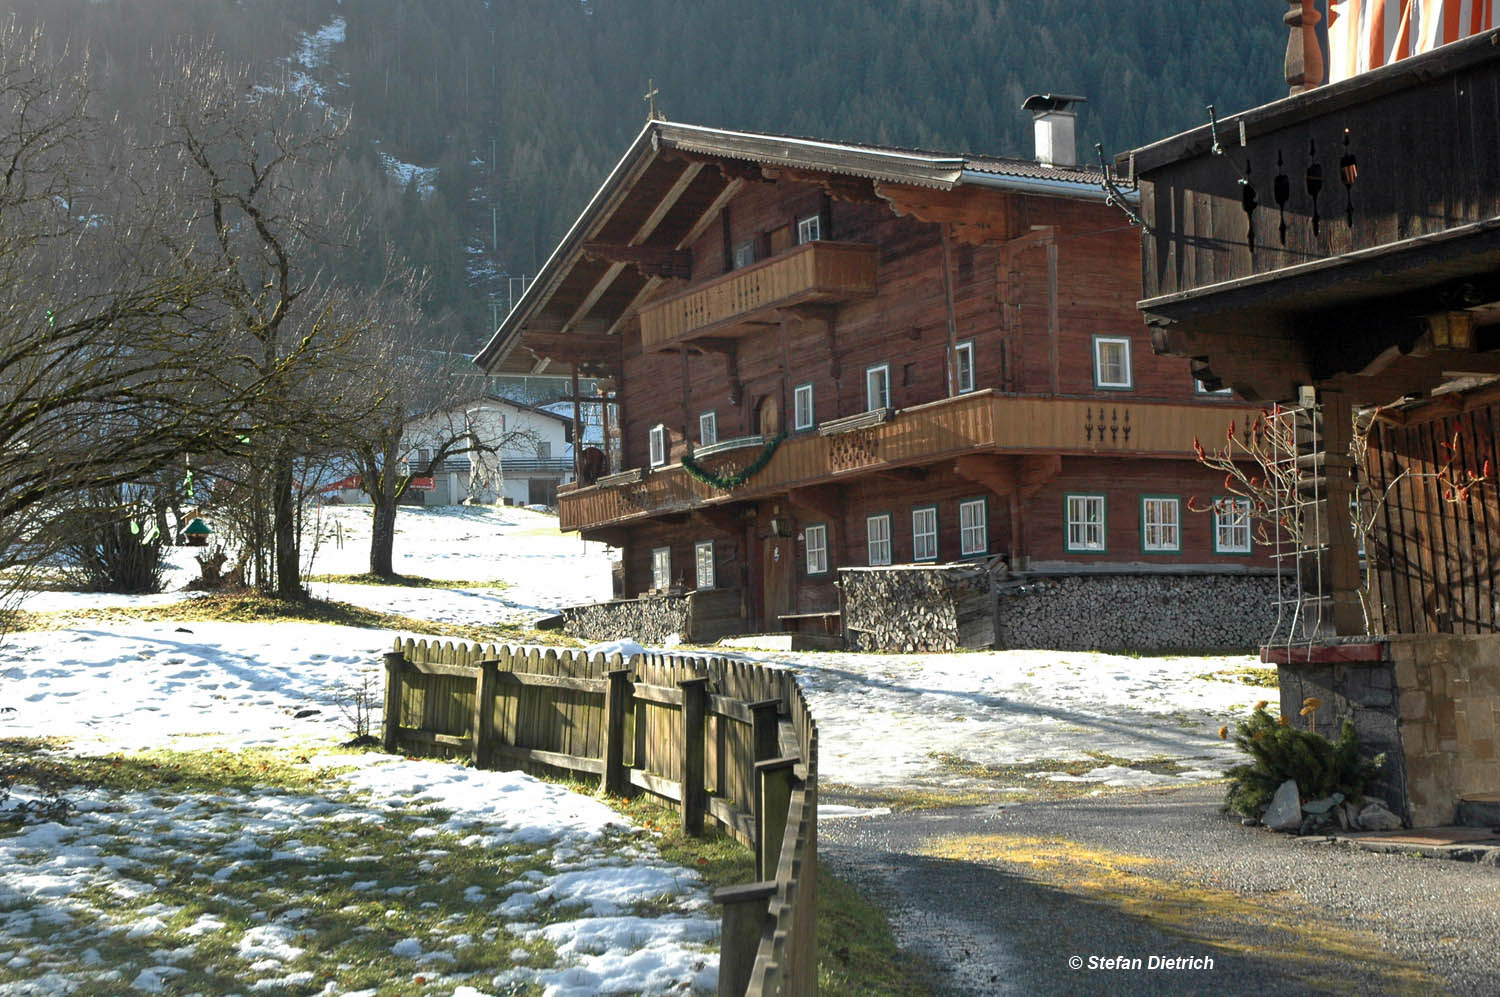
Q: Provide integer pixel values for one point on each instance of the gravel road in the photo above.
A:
(999, 899)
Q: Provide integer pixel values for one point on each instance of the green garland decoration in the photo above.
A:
(734, 480)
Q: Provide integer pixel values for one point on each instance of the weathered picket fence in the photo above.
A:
(727, 740)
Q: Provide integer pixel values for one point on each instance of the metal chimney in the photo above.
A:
(1054, 120)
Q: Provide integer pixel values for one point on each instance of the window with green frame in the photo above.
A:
(1083, 517)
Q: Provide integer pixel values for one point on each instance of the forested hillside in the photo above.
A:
(481, 128)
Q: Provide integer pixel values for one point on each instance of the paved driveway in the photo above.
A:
(1157, 892)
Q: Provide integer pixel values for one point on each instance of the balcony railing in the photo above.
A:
(981, 422)
(736, 302)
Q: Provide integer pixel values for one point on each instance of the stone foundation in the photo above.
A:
(1136, 612)
(694, 617)
(1431, 702)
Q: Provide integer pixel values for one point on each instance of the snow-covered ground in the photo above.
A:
(885, 721)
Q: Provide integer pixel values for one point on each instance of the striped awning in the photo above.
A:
(1368, 34)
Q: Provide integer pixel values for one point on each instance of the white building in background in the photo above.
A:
(527, 452)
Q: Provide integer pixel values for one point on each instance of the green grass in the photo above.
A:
(408, 581)
(857, 951)
(1264, 678)
(251, 607)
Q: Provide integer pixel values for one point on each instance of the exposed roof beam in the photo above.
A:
(673, 195)
(652, 283)
(649, 261)
(707, 218)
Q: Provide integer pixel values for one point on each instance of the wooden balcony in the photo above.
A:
(977, 423)
(742, 300)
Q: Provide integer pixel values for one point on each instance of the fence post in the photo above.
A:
(773, 798)
(765, 716)
(484, 711)
(395, 662)
(616, 702)
(694, 720)
(740, 929)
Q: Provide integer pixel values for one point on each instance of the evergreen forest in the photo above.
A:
(481, 127)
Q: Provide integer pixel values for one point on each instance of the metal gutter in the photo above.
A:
(1034, 185)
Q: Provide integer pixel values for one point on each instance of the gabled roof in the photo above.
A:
(665, 191)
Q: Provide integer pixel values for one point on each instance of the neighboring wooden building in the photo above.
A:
(1343, 253)
(830, 355)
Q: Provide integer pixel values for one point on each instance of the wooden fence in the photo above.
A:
(728, 741)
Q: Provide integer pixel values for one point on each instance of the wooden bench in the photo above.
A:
(821, 623)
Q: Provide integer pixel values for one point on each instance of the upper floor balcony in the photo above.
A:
(742, 300)
(977, 423)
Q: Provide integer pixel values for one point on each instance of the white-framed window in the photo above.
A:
(809, 229)
(1084, 515)
(878, 538)
(544, 450)
(658, 445)
(963, 359)
(877, 386)
(708, 429)
(743, 254)
(1198, 388)
(973, 527)
(1232, 526)
(661, 567)
(924, 533)
(1112, 362)
(1161, 524)
(703, 558)
(816, 539)
(802, 407)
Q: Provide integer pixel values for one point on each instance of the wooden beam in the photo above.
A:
(978, 214)
(652, 283)
(649, 261)
(710, 213)
(1022, 475)
(724, 518)
(670, 199)
(950, 361)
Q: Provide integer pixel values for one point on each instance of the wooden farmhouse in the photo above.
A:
(828, 357)
(1338, 252)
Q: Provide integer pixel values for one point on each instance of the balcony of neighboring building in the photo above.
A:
(992, 434)
(745, 299)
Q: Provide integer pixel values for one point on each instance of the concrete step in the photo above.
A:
(1480, 810)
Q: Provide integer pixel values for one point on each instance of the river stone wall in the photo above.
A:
(1141, 612)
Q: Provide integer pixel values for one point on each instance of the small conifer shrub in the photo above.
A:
(1279, 751)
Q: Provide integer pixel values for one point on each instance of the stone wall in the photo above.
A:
(1450, 712)
(1136, 612)
(917, 607)
(1362, 691)
(695, 617)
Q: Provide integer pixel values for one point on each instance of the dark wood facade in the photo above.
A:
(1343, 245)
(980, 288)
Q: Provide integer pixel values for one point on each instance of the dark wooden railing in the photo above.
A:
(728, 741)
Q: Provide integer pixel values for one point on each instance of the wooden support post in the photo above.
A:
(577, 430)
(1304, 57)
(395, 662)
(952, 362)
(484, 712)
(765, 718)
(1342, 575)
(1052, 328)
(694, 722)
(616, 703)
(741, 927)
(773, 797)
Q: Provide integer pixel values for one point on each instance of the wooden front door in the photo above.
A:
(776, 573)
